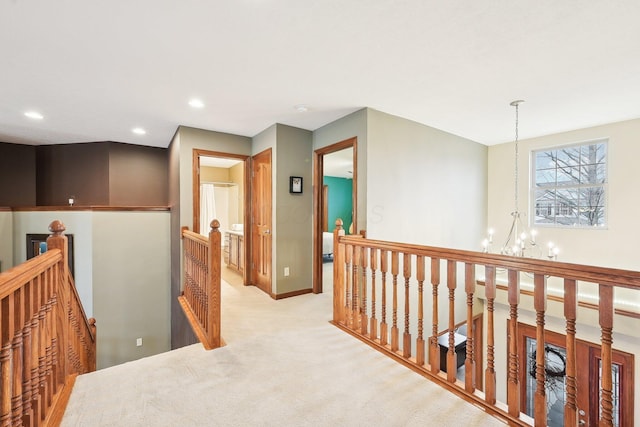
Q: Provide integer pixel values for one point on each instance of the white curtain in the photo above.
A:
(207, 208)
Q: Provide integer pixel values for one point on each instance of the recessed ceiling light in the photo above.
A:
(138, 131)
(34, 115)
(301, 108)
(196, 103)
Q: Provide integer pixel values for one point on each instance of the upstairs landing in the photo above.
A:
(283, 365)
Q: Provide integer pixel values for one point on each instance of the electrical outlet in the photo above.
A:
(139, 342)
(286, 271)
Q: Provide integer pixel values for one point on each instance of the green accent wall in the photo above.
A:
(340, 201)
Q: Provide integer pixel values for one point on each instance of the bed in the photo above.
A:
(327, 244)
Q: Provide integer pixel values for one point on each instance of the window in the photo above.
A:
(569, 185)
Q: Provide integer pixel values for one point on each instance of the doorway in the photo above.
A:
(588, 378)
(335, 178)
(220, 191)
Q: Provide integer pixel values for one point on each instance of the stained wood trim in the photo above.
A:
(318, 167)
(60, 402)
(291, 294)
(195, 181)
(560, 299)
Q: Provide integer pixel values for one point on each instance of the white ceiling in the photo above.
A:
(95, 70)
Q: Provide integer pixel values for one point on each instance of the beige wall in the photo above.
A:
(292, 242)
(428, 188)
(294, 228)
(236, 174)
(352, 125)
(213, 174)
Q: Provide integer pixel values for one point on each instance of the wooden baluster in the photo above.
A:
(384, 334)
(406, 343)
(570, 310)
(434, 348)
(420, 340)
(338, 275)
(364, 318)
(355, 290)
(27, 410)
(373, 323)
(605, 307)
(540, 305)
(48, 354)
(469, 363)
(513, 384)
(6, 383)
(348, 311)
(451, 352)
(17, 355)
(490, 373)
(394, 316)
(42, 352)
(35, 345)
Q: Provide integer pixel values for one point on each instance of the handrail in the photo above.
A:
(45, 337)
(376, 282)
(200, 297)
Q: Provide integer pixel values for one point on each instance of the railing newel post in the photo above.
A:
(213, 285)
(452, 278)
(338, 274)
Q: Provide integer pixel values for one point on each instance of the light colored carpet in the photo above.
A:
(284, 365)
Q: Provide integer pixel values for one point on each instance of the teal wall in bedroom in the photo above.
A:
(340, 201)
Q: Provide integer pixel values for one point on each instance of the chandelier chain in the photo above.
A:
(516, 168)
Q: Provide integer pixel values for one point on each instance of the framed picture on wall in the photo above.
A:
(295, 184)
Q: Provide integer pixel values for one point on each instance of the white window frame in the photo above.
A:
(534, 209)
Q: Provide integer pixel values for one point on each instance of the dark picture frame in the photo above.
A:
(37, 244)
(295, 184)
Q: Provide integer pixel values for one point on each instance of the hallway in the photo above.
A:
(283, 365)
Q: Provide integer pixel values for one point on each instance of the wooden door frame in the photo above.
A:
(318, 204)
(246, 214)
(584, 358)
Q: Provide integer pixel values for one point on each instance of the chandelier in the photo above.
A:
(520, 241)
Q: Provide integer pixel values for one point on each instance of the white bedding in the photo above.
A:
(327, 243)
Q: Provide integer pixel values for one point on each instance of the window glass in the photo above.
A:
(569, 185)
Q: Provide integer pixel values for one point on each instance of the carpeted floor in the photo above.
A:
(284, 365)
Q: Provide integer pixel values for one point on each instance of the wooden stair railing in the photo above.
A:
(355, 299)
(200, 298)
(46, 339)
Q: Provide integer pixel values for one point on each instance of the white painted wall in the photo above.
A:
(613, 246)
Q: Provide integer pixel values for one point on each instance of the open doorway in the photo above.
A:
(220, 192)
(335, 196)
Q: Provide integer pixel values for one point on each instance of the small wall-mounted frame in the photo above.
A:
(295, 184)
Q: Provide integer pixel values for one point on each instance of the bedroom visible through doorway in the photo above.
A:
(335, 184)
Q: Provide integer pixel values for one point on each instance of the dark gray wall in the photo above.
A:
(17, 175)
(137, 175)
(80, 170)
(97, 174)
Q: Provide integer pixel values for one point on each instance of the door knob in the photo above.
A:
(267, 231)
